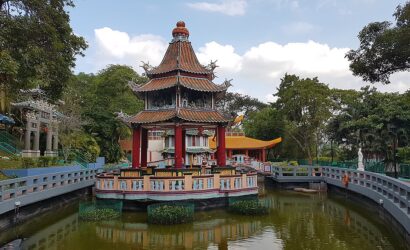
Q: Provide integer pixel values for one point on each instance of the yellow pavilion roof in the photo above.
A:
(243, 142)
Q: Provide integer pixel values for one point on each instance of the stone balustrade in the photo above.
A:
(180, 187)
(392, 194)
(27, 190)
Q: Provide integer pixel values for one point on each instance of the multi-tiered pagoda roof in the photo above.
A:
(182, 76)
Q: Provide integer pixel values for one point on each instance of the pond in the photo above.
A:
(295, 221)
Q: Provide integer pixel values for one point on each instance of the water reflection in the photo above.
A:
(296, 221)
(199, 234)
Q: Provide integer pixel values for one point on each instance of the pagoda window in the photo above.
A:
(196, 99)
(197, 141)
(160, 100)
(189, 141)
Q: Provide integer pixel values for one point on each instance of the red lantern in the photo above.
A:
(200, 130)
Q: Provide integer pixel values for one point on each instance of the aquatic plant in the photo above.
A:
(99, 214)
(248, 207)
(168, 214)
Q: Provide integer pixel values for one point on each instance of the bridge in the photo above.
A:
(392, 194)
(24, 191)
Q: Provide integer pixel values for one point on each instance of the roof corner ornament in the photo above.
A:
(227, 83)
(125, 118)
(133, 85)
(146, 66)
(211, 67)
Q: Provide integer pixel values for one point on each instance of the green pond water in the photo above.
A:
(295, 221)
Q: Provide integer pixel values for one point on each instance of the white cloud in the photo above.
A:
(227, 7)
(228, 61)
(256, 72)
(118, 47)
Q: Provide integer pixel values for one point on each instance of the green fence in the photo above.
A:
(405, 171)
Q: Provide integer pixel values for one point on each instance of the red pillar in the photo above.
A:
(183, 146)
(178, 146)
(144, 147)
(136, 144)
(221, 154)
(263, 155)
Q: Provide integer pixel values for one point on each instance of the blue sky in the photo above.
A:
(254, 41)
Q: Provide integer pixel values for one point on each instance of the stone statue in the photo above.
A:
(360, 165)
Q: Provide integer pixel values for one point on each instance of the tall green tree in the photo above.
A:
(377, 122)
(37, 44)
(305, 107)
(266, 124)
(111, 94)
(384, 48)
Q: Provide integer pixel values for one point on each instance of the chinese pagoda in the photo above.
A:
(179, 98)
(180, 95)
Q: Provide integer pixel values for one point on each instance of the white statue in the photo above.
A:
(360, 165)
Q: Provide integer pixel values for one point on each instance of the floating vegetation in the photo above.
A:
(170, 213)
(248, 207)
(98, 210)
(99, 214)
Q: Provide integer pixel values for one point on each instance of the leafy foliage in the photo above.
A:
(37, 44)
(304, 104)
(248, 207)
(384, 49)
(373, 121)
(111, 94)
(99, 214)
(265, 124)
(169, 214)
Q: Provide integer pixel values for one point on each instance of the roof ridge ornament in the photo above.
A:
(180, 33)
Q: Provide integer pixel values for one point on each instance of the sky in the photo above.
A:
(255, 42)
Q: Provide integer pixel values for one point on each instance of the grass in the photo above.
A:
(3, 177)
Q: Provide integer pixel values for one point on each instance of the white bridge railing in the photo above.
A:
(391, 193)
(19, 192)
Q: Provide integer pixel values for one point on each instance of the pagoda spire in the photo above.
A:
(180, 33)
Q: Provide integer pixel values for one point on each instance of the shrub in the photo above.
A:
(43, 161)
(293, 163)
(248, 207)
(99, 214)
(168, 214)
(28, 162)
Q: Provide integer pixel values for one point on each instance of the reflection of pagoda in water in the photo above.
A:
(200, 234)
(41, 119)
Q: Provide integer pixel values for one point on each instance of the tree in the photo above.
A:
(377, 122)
(38, 44)
(305, 106)
(384, 49)
(111, 94)
(235, 103)
(266, 124)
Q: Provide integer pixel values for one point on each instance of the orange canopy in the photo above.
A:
(243, 142)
